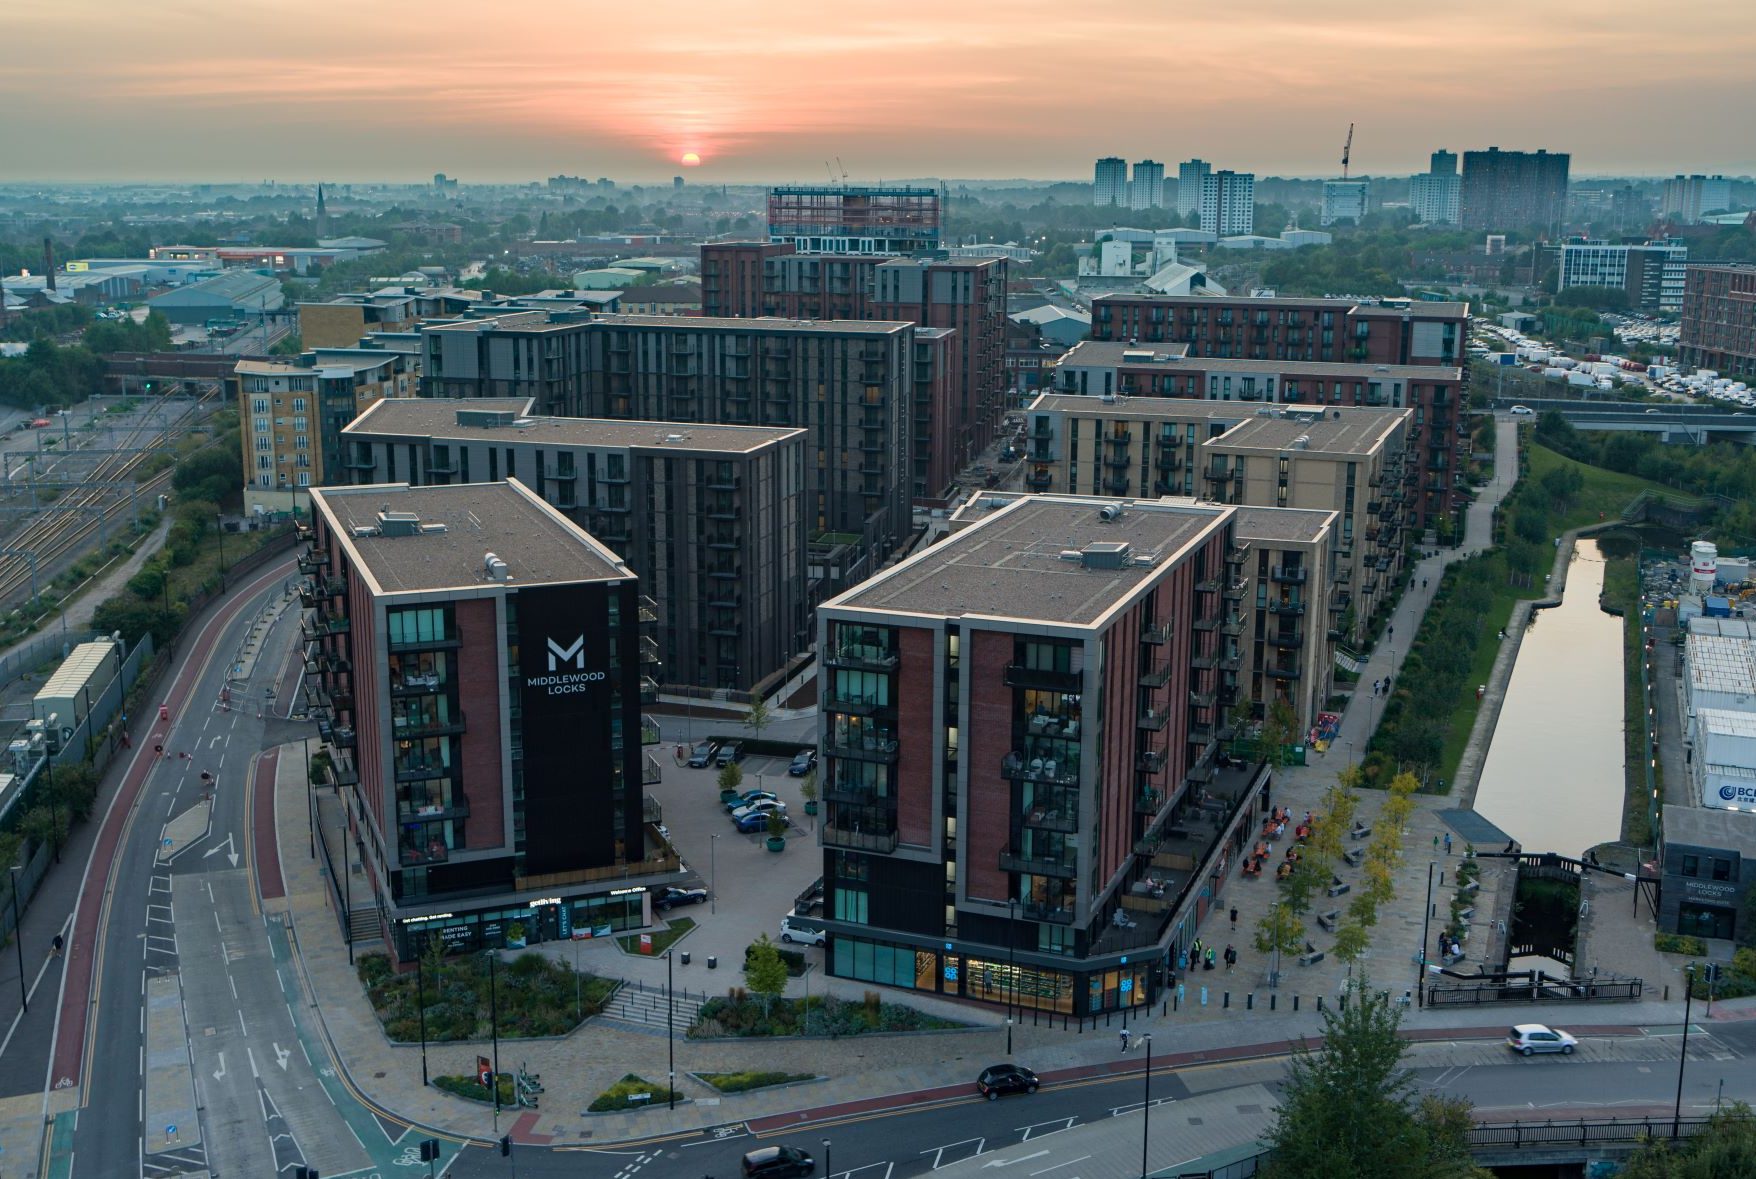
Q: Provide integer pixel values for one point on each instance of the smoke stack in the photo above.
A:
(49, 261)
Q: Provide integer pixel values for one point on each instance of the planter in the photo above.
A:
(777, 843)
(811, 807)
(726, 796)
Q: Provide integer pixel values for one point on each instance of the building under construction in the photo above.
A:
(853, 219)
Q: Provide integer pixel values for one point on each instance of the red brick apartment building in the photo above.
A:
(1719, 318)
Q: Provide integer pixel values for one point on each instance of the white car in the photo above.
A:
(1530, 1038)
(1523, 411)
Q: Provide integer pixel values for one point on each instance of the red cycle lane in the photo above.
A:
(77, 999)
(268, 877)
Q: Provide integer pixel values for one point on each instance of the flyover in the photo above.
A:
(1699, 424)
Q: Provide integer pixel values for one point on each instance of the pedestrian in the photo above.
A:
(1390, 631)
(1208, 965)
(1124, 1041)
(1423, 583)
(1234, 919)
(1231, 958)
(1448, 843)
(1435, 845)
(56, 945)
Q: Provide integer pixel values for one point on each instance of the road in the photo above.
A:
(1090, 1128)
(201, 1050)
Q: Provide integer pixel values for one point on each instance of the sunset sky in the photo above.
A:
(769, 89)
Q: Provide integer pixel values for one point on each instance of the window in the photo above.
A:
(298, 405)
(1691, 865)
(258, 405)
(850, 905)
(1722, 869)
(418, 626)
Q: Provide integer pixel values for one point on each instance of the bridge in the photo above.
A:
(1674, 422)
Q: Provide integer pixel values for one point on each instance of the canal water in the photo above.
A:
(1553, 776)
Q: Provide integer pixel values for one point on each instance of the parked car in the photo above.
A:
(674, 896)
(702, 755)
(730, 752)
(803, 762)
(778, 1162)
(756, 822)
(794, 928)
(1000, 1079)
(760, 807)
(1529, 1038)
(1523, 411)
(750, 796)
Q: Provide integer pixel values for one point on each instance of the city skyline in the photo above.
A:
(204, 92)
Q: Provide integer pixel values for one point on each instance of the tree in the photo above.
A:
(1280, 929)
(1351, 940)
(757, 718)
(213, 473)
(1726, 1148)
(1280, 731)
(765, 973)
(1350, 1107)
(731, 776)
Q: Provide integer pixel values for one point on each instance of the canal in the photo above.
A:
(1553, 775)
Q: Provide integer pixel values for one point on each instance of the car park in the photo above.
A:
(803, 763)
(757, 821)
(702, 755)
(802, 930)
(778, 1162)
(750, 798)
(673, 896)
(730, 752)
(1529, 1038)
(1000, 1079)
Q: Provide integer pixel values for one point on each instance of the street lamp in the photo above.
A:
(1011, 969)
(828, 1171)
(1426, 928)
(1145, 1103)
(494, 1031)
(1274, 978)
(1682, 1057)
(18, 942)
(713, 873)
(421, 1008)
(670, 1034)
(220, 529)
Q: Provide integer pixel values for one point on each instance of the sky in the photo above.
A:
(764, 90)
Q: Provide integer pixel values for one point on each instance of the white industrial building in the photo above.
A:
(1723, 758)
(1720, 668)
(1651, 274)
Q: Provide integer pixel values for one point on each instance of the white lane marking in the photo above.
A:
(1014, 1162)
(1060, 1124)
(252, 1057)
(280, 1056)
(1058, 1166)
(938, 1152)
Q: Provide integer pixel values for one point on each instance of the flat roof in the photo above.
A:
(1727, 721)
(1701, 826)
(539, 545)
(538, 321)
(1181, 409)
(1325, 431)
(1290, 302)
(1283, 524)
(1721, 664)
(1011, 564)
(436, 417)
(1170, 356)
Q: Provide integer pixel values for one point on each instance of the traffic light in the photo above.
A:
(429, 1150)
(505, 1145)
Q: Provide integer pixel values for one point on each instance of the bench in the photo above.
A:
(1311, 957)
(1361, 831)
(1470, 888)
(1467, 915)
(1340, 887)
(1355, 858)
(1329, 920)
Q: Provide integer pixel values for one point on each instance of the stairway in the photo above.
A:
(645, 1006)
(363, 927)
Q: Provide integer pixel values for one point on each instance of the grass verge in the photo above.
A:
(744, 1082)
(663, 940)
(631, 1092)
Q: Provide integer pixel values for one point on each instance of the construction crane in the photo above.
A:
(843, 170)
(1347, 150)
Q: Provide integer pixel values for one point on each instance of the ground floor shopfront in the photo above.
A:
(530, 923)
(983, 975)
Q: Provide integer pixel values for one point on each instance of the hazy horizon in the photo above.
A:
(196, 91)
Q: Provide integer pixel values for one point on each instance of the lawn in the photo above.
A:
(663, 940)
(533, 995)
(1605, 492)
(745, 1082)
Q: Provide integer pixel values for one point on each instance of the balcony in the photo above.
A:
(1201, 700)
(341, 770)
(321, 625)
(1293, 609)
(1155, 633)
(441, 466)
(862, 658)
(1205, 622)
(1209, 585)
(1233, 626)
(853, 705)
(340, 736)
(723, 508)
(616, 475)
(1200, 734)
(1231, 660)
(1289, 574)
(313, 560)
(1158, 676)
(1282, 672)
(408, 812)
(1039, 479)
(1287, 638)
(1236, 554)
(1151, 720)
(1168, 460)
(1120, 437)
(1116, 484)
(1236, 591)
(723, 483)
(648, 610)
(835, 834)
(649, 690)
(321, 662)
(878, 749)
(1034, 911)
(361, 462)
(1152, 760)
(1118, 460)
(724, 541)
(649, 731)
(651, 772)
(431, 643)
(1015, 767)
(409, 728)
(1013, 861)
(853, 793)
(649, 649)
(1020, 676)
(321, 588)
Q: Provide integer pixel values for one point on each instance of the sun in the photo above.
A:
(691, 159)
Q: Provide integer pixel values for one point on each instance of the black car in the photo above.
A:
(1006, 1078)
(702, 755)
(778, 1162)
(731, 751)
(803, 762)
(679, 896)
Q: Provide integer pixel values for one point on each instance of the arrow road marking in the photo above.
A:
(219, 1074)
(1023, 1158)
(231, 854)
(280, 1056)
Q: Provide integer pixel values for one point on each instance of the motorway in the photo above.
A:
(201, 1050)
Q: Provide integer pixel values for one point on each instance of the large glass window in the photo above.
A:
(418, 626)
(878, 962)
(850, 905)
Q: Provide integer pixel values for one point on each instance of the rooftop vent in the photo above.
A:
(494, 569)
(486, 418)
(363, 530)
(1106, 554)
(1302, 442)
(675, 438)
(1112, 512)
(398, 523)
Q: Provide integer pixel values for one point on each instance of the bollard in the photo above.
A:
(1250, 1001)
(1204, 995)
(1320, 1002)
(713, 961)
(1272, 1000)
(1226, 1001)
(1295, 1002)
(684, 955)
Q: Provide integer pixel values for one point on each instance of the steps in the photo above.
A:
(363, 927)
(646, 1007)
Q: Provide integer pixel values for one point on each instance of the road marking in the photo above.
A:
(233, 984)
(1060, 1124)
(280, 1056)
(231, 854)
(938, 1152)
(215, 741)
(1058, 1166)
(252, 1057)
(241, 1026)
(220, 1073)
(1119, 1110)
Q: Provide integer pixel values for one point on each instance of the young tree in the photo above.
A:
(1351, 939)
(1350, 1107)
(757, 718)
(731, 776)
(764, 972)
(1280, 929)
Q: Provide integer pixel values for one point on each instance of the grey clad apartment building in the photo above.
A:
(710, 517)
(846, 382)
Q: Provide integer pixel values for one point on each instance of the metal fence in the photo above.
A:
(1483, 994)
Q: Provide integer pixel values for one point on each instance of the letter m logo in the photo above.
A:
(575, 651)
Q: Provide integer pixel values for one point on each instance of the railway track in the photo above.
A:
(62, 528)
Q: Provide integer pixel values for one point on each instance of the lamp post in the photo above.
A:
(421, 1007)
(1011, 969)
(494, 1031)
(18, 942)
(347, 883)
(310, 797)
(1274, 978)
(828, 1171)
(1682, 1057)
(670, 1035)
(1145, 1102)
(220, 530)
(1426, 928)
(713, 873)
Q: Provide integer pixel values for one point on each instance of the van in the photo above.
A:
(802, 930)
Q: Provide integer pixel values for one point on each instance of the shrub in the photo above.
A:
(474, 1090)
(746, 1081)
(617, 1096)
(1678, 943)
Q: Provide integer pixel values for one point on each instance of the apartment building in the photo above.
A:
(1354, 463)
(962, 295)
(1287, 653)
(1228, 203)
(1688, 198)
(1146, 189)
(709, 517)
(1513, 190)
(847, 382)
(1438, 437)
(1025, 797)
(291, 414)
(1269, 328)
(1719, 318)
(1110, 182)
(897, 220)
(1191, 179)
(1650, 273)
(1434, 195)
(476, 664)
(1345, 202)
